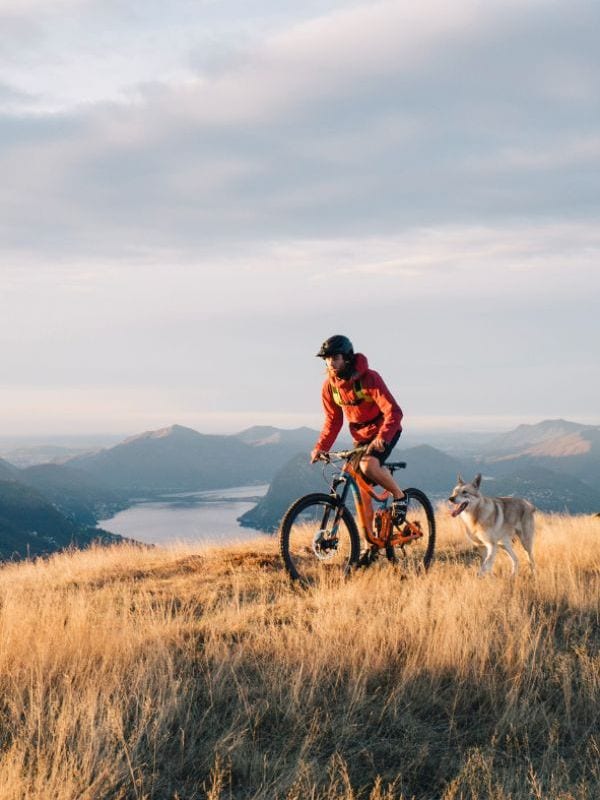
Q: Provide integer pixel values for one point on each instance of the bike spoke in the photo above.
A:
(316, 542)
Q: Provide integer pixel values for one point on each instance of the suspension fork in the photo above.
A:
(341, 500)
(364, 509)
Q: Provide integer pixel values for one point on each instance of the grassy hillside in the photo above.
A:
(134, 673)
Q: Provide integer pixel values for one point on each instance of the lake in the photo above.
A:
(207, 517)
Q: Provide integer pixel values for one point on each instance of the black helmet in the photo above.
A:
(336, 345)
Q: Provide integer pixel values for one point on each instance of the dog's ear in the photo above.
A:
(477, 481)
(459, 479)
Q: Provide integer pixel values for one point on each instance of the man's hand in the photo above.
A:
(316, 455)
(377, 445)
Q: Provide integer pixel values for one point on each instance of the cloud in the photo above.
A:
(572, 151)
(178, 222)
(339, 54)
(484, 320)
(374, 119)
(458, 253)
(23, 8)
(12, 100)
(505, 264)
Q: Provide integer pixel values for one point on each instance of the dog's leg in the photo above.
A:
(526, 537)
(469, 534)
(531, 561)
(472, 539)
(507, 547)
(488, 561)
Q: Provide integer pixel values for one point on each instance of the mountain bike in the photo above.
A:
(319, 535)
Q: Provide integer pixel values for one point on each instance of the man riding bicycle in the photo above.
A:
(374, 417)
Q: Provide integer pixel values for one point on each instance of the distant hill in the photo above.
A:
(7, 471)
(579, 458)
(73, 492)
(259, 435)
(526, 437)
(546, 489)
(550, 489)
(177, 458)
(294, 479)
(170, 459)
(43, 454)
(30, 525)
(565, 448)
(429, 469)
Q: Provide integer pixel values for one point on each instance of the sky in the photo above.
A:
(194, 195)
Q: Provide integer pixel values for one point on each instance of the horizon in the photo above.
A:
(444, 430)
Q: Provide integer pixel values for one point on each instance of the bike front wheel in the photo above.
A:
(318, 539)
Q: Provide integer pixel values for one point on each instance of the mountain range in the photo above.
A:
(179, 459)
(526, 438)
(30, 525)
(555, 463)
(73, 492)
(70, 497)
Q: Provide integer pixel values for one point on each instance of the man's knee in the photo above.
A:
(368, 464)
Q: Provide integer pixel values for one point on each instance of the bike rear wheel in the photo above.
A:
(418, 554)
(318, 539)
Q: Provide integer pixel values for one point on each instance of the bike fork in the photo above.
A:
(338, 511)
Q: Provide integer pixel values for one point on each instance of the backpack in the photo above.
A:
(360, 395)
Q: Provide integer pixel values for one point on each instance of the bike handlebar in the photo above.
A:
(344, 455)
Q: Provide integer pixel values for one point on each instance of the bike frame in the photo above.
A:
(353, 481)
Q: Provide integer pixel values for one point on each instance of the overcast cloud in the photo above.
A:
(192, 198)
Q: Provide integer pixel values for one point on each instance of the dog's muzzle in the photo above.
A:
(458, 509)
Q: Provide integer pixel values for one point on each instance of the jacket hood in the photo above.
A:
(361, 365)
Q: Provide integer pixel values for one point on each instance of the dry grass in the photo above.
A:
(135, 673)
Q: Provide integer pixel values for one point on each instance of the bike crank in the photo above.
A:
(409, 532)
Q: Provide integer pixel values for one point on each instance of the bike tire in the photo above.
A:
(299, 543)
(420, 553)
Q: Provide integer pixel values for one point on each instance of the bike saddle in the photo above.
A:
(395, 465)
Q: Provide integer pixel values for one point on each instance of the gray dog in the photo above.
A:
(490, 522)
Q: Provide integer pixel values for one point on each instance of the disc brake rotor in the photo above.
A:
(324, 546)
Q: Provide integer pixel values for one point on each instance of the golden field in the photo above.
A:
(137, 673)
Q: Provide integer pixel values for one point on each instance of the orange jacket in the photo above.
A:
(380, 408)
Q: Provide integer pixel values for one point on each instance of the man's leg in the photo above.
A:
(371, 467)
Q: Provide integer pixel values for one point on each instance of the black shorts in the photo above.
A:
(385, 453)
